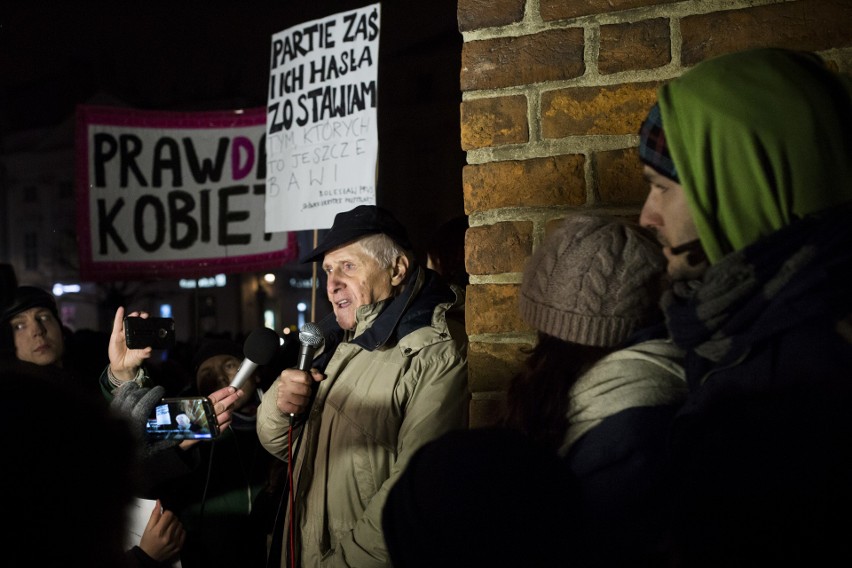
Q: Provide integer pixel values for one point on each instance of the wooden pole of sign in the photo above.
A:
(314, 282)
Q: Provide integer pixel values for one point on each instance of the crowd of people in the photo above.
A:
(685, 403)
(203, 502)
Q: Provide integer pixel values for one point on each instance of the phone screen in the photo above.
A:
(189, 418)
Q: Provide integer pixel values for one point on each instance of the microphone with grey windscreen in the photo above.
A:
(310, 339)
(259, 349)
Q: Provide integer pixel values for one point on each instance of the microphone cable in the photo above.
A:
(291, 493)
(289, 529)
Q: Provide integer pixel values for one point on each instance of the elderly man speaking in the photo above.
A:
(391, 374)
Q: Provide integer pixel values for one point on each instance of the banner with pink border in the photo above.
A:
(173, 194)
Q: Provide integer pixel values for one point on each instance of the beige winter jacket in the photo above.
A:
(399, 382)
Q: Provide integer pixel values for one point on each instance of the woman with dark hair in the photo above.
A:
(589, 392)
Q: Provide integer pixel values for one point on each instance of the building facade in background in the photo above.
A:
(38, 238)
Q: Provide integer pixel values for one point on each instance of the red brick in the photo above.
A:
(498, 248)
(642, 45)
(578, 111)
(619, 177)
(562, 10)
(551, 55)
(492, 365)
(493, 308)
(494, 121)
(809, 25)
(539, 182)
(478, 14)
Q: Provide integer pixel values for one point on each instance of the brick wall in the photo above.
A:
(553, 94)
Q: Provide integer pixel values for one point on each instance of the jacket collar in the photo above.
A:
(398, 316)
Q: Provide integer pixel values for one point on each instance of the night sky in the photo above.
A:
(176, 55)
(191, 55)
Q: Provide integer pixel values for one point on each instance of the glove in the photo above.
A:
(136, 404)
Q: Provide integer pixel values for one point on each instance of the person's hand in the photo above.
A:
(137, 404)
(295, 388)
(164, 535)
(124, 362)
(223, 401)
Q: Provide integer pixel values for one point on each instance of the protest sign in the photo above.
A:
(169, 194)
(322, 141)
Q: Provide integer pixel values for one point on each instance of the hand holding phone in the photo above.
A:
(224, 401)
(183, 418)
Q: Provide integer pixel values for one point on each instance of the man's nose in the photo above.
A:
(333, 282)
(650, 217)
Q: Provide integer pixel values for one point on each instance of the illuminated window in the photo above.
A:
(269, 319)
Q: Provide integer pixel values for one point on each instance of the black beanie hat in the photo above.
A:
(26, 297)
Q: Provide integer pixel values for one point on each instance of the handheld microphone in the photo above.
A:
(259, 349)
(310, 339)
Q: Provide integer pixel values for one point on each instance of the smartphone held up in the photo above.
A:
(183, 418)
(157, 333)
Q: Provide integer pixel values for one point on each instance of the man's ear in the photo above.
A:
(399, 270)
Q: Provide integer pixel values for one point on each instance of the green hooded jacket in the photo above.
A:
(759, 138)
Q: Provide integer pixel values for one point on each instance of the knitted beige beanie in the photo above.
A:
(594, 281)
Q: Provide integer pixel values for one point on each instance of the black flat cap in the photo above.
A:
(356, 223)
